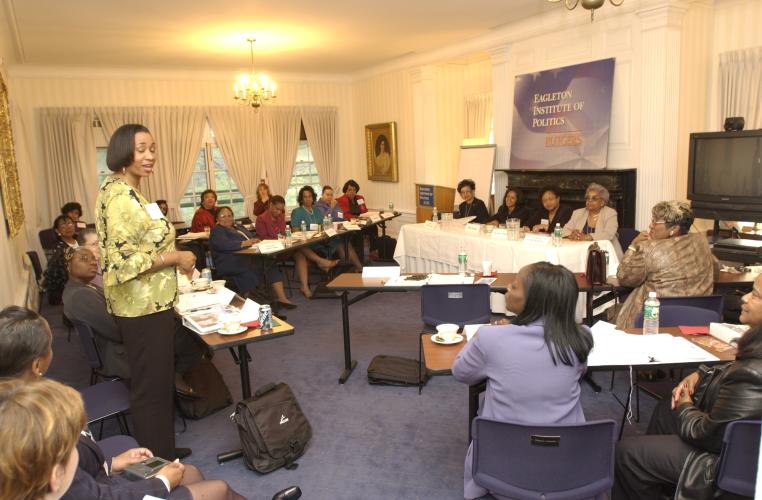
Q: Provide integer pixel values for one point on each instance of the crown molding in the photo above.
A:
(29, 71)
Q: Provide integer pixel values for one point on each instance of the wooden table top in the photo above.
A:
(439, 358)
(215, 341)
(355, 281)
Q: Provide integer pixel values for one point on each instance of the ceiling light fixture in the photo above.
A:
(590, 5)
(252, 88)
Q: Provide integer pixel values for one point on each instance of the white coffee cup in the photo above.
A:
(486, 267)
(447, 331)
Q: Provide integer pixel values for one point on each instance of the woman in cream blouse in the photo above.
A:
(596, 221)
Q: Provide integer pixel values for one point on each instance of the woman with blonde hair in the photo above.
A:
(41, 421)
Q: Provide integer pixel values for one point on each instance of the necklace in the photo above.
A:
(468, 208)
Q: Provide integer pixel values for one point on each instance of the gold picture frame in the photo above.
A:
(381, 151)
(10, 190)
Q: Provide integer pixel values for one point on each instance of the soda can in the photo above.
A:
(207, 273)
(265, 318)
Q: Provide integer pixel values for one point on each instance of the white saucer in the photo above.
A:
(240, 329)
(438, 340)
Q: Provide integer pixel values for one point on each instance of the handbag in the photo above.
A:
(595, 271)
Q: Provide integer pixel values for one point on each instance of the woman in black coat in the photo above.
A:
(511, 208)
(684, 437)
(471, 206)
(545, 218)
(225, 239)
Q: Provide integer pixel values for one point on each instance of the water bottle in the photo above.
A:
(651, 314)
(462, 261)
(435, 215)
(557, 235)
(303, 229)
(288, 235)
(327, 222)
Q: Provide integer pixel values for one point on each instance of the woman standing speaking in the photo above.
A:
(138, 258)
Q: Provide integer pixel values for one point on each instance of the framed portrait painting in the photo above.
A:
(381, 151)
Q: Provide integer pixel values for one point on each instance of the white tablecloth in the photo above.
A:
(436, 250)
(422, 250)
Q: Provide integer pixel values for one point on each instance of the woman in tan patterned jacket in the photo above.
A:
(667, 260)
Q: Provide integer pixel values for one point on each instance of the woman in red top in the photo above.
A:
(272, 223)
(351, 203)
(263, 199)
(206, 215)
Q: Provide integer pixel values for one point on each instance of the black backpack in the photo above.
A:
(394, 370)
(274, 432)
(211, 392)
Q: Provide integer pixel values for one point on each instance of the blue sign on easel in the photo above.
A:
(425, 196)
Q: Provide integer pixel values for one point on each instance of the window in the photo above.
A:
(304, 174)
(100, 161)
(210, 172)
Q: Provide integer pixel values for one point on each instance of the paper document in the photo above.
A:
(269, 246)
(390, 272)
(350, 226)
(249, 311)
(614, 347)
(470, 330)
(195, 301)
(463, 220)
(450, 279)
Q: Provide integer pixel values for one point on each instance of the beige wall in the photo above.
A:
(705, 28)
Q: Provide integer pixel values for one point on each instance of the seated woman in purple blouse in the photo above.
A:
(533, 365)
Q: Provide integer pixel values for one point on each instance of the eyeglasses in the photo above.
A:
(657, 222)
(593, 198)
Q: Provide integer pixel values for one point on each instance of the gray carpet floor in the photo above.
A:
(369, 442)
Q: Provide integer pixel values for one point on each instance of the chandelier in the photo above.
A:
(252, 88)
(590, 5)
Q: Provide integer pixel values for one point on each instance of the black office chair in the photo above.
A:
(48, 240)
(625, 235)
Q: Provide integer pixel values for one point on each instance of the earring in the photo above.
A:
(124, 170)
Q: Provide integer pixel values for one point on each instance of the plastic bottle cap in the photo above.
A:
(651, 295)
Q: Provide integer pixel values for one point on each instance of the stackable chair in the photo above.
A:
(459, 304)
(560, 462)
(737, 466)
(107, 400)
(115, 445)
(92, 353)
(680, 311)
(34, 259)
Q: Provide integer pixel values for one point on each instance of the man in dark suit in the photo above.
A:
(85, 302)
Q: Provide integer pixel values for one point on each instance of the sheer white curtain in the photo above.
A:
(69, 154)
(178, 132)
(238, 133)
(740, 85)
(478, 115)
(320, 127)
(281, 127)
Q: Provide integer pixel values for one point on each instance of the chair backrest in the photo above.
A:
(737, 466)
(625, 235)
(36, 265)
(459, 304)
(534, 461)
(676, 315)
(48, 239)
(87, 337)
(712, 302)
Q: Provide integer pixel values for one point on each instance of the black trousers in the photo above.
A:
(149, 342)
(649, 466)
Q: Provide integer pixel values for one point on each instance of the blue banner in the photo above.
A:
(561, 117)
(425, 196)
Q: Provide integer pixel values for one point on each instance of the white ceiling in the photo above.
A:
(297, 36)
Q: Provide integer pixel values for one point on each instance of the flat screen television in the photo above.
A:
(725, 175)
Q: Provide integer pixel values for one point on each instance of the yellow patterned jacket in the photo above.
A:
(130, 240)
